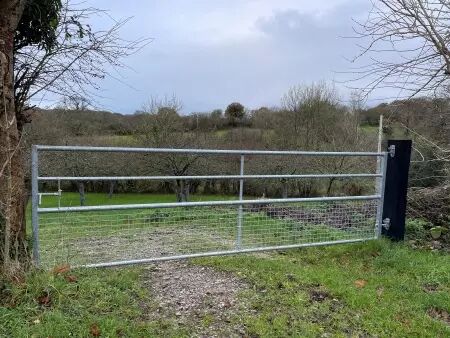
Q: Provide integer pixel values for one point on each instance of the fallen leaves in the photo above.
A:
(360, 283)
(61, 269)
(94, 330)
(318, 295)
(71, 278)
(44, 299)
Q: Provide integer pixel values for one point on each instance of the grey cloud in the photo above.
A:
(293, 48)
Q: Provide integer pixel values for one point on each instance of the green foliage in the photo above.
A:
(417, 229)
(38, 24)
(437, 232)
(235, 112)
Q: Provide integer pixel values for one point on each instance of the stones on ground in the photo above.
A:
(201, 298)
(317, 295)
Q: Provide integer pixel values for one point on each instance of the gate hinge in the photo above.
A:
(391, 150)
(386, 223)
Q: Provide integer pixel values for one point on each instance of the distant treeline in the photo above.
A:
(310, 118)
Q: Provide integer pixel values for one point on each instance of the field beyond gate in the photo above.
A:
(107, 235)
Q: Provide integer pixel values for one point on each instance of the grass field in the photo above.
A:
(372, 289)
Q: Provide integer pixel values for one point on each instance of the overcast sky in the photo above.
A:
(210, 53)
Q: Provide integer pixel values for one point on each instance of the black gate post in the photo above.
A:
(395, 193)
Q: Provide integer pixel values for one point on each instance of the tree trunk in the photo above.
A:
(284, 184)
(330, 185)
(111, 188)
(13, 195)
(82, 194)
(180, 191)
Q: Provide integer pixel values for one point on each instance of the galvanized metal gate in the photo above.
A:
(111, 235)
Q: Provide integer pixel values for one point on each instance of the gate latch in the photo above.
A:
(386, 223)
(391, 150)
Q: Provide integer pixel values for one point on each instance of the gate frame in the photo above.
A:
(380, 174)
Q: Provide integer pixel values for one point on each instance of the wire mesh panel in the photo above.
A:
(107, 235)
(95, 237)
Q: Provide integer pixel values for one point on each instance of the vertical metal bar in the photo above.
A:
(35, 203)
(240, 211)
(381, 189)
(379, 159)
(59, 193)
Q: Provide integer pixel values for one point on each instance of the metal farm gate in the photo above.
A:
(119, 234)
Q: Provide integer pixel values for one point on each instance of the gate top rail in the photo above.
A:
(205, 151)
(201, 177)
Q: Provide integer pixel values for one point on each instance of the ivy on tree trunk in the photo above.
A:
(13, 194)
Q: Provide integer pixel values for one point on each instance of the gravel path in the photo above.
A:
(201, 298)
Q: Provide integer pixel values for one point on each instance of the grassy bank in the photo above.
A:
(373, 289)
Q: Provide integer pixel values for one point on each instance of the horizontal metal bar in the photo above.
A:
(204, 151)
(49, 194)
(203, 177)
(206, 203)
(222, 253)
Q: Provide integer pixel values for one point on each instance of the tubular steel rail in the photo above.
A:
(111, 235)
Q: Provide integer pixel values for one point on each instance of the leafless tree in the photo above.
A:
(80, 57)
(162, 128)
(407, 45)
(304, 106)
(75, 102)
(57, 53)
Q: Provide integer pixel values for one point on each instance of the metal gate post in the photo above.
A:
(35, 203)
(240, 210)
(394, 206)
(381, 186)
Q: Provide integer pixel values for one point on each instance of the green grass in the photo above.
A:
(376, 288)
(280, 299)
(73, 199)
(107, 300)
(393, 303)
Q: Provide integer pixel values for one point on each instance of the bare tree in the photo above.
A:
(79, 57)
(304, 106)
(75, 102)
(45, 46)
(356, 106)
(407, 43)
(162, 127)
